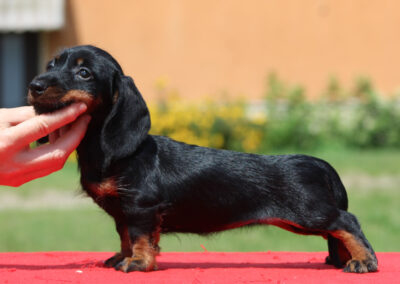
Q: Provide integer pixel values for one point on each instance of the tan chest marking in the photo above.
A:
(108, 187)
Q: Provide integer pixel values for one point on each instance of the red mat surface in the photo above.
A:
(205, 267)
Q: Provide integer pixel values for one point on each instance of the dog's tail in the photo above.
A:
(336, 186)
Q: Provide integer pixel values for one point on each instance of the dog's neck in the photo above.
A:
(90, 154)
(94, 161)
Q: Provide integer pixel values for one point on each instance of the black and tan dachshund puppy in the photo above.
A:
(153, 184)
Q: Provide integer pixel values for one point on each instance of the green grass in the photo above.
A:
(66, 179)
(90, 229)
(43, 230)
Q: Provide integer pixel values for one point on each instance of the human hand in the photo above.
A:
(20, 126)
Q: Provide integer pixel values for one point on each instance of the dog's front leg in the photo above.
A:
(139, 247)
(143, 256)
(126, 246)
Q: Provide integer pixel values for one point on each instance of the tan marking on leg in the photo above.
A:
(143, 256)
(144, 251)
(362, 260)
(352, 265)
(356, 249)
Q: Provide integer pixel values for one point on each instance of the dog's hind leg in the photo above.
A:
(338, 254)
(347, 244)
(347, 231)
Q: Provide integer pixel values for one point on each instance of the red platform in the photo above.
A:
(205, 267)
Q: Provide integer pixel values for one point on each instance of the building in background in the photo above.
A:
(203, 48)
(22, 25)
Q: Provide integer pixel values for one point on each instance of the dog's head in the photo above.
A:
(91, 75)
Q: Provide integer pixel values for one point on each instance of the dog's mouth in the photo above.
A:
(48, 106)
(48, 101)
(53, 99)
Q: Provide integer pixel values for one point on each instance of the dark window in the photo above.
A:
(18, 65)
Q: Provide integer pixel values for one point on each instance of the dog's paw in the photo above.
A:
(114, 260)
(330, 261)
(361, 266)
(129, 264)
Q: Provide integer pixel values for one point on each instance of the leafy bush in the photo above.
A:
(357, 118)
(218, 125)
(285, 119)
(289, 122)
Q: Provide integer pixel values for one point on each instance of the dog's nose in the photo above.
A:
(37, 88)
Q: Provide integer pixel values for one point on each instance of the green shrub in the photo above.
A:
(355, 118)
(358, 118)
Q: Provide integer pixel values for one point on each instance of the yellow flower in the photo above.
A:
(211, 123)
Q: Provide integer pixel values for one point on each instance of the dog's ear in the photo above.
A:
(127, 124)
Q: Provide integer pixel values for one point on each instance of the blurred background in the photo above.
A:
(316, 76)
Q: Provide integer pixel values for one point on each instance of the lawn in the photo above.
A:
(64, 221)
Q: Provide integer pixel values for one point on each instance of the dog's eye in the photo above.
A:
(84, 73)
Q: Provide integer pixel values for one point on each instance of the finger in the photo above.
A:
(16, 115)
(71, 135)
(53, 136)
(41, 125)
(64, 129)
(54, 155)
(57, 133)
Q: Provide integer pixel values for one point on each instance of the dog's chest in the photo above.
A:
(106, 188)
